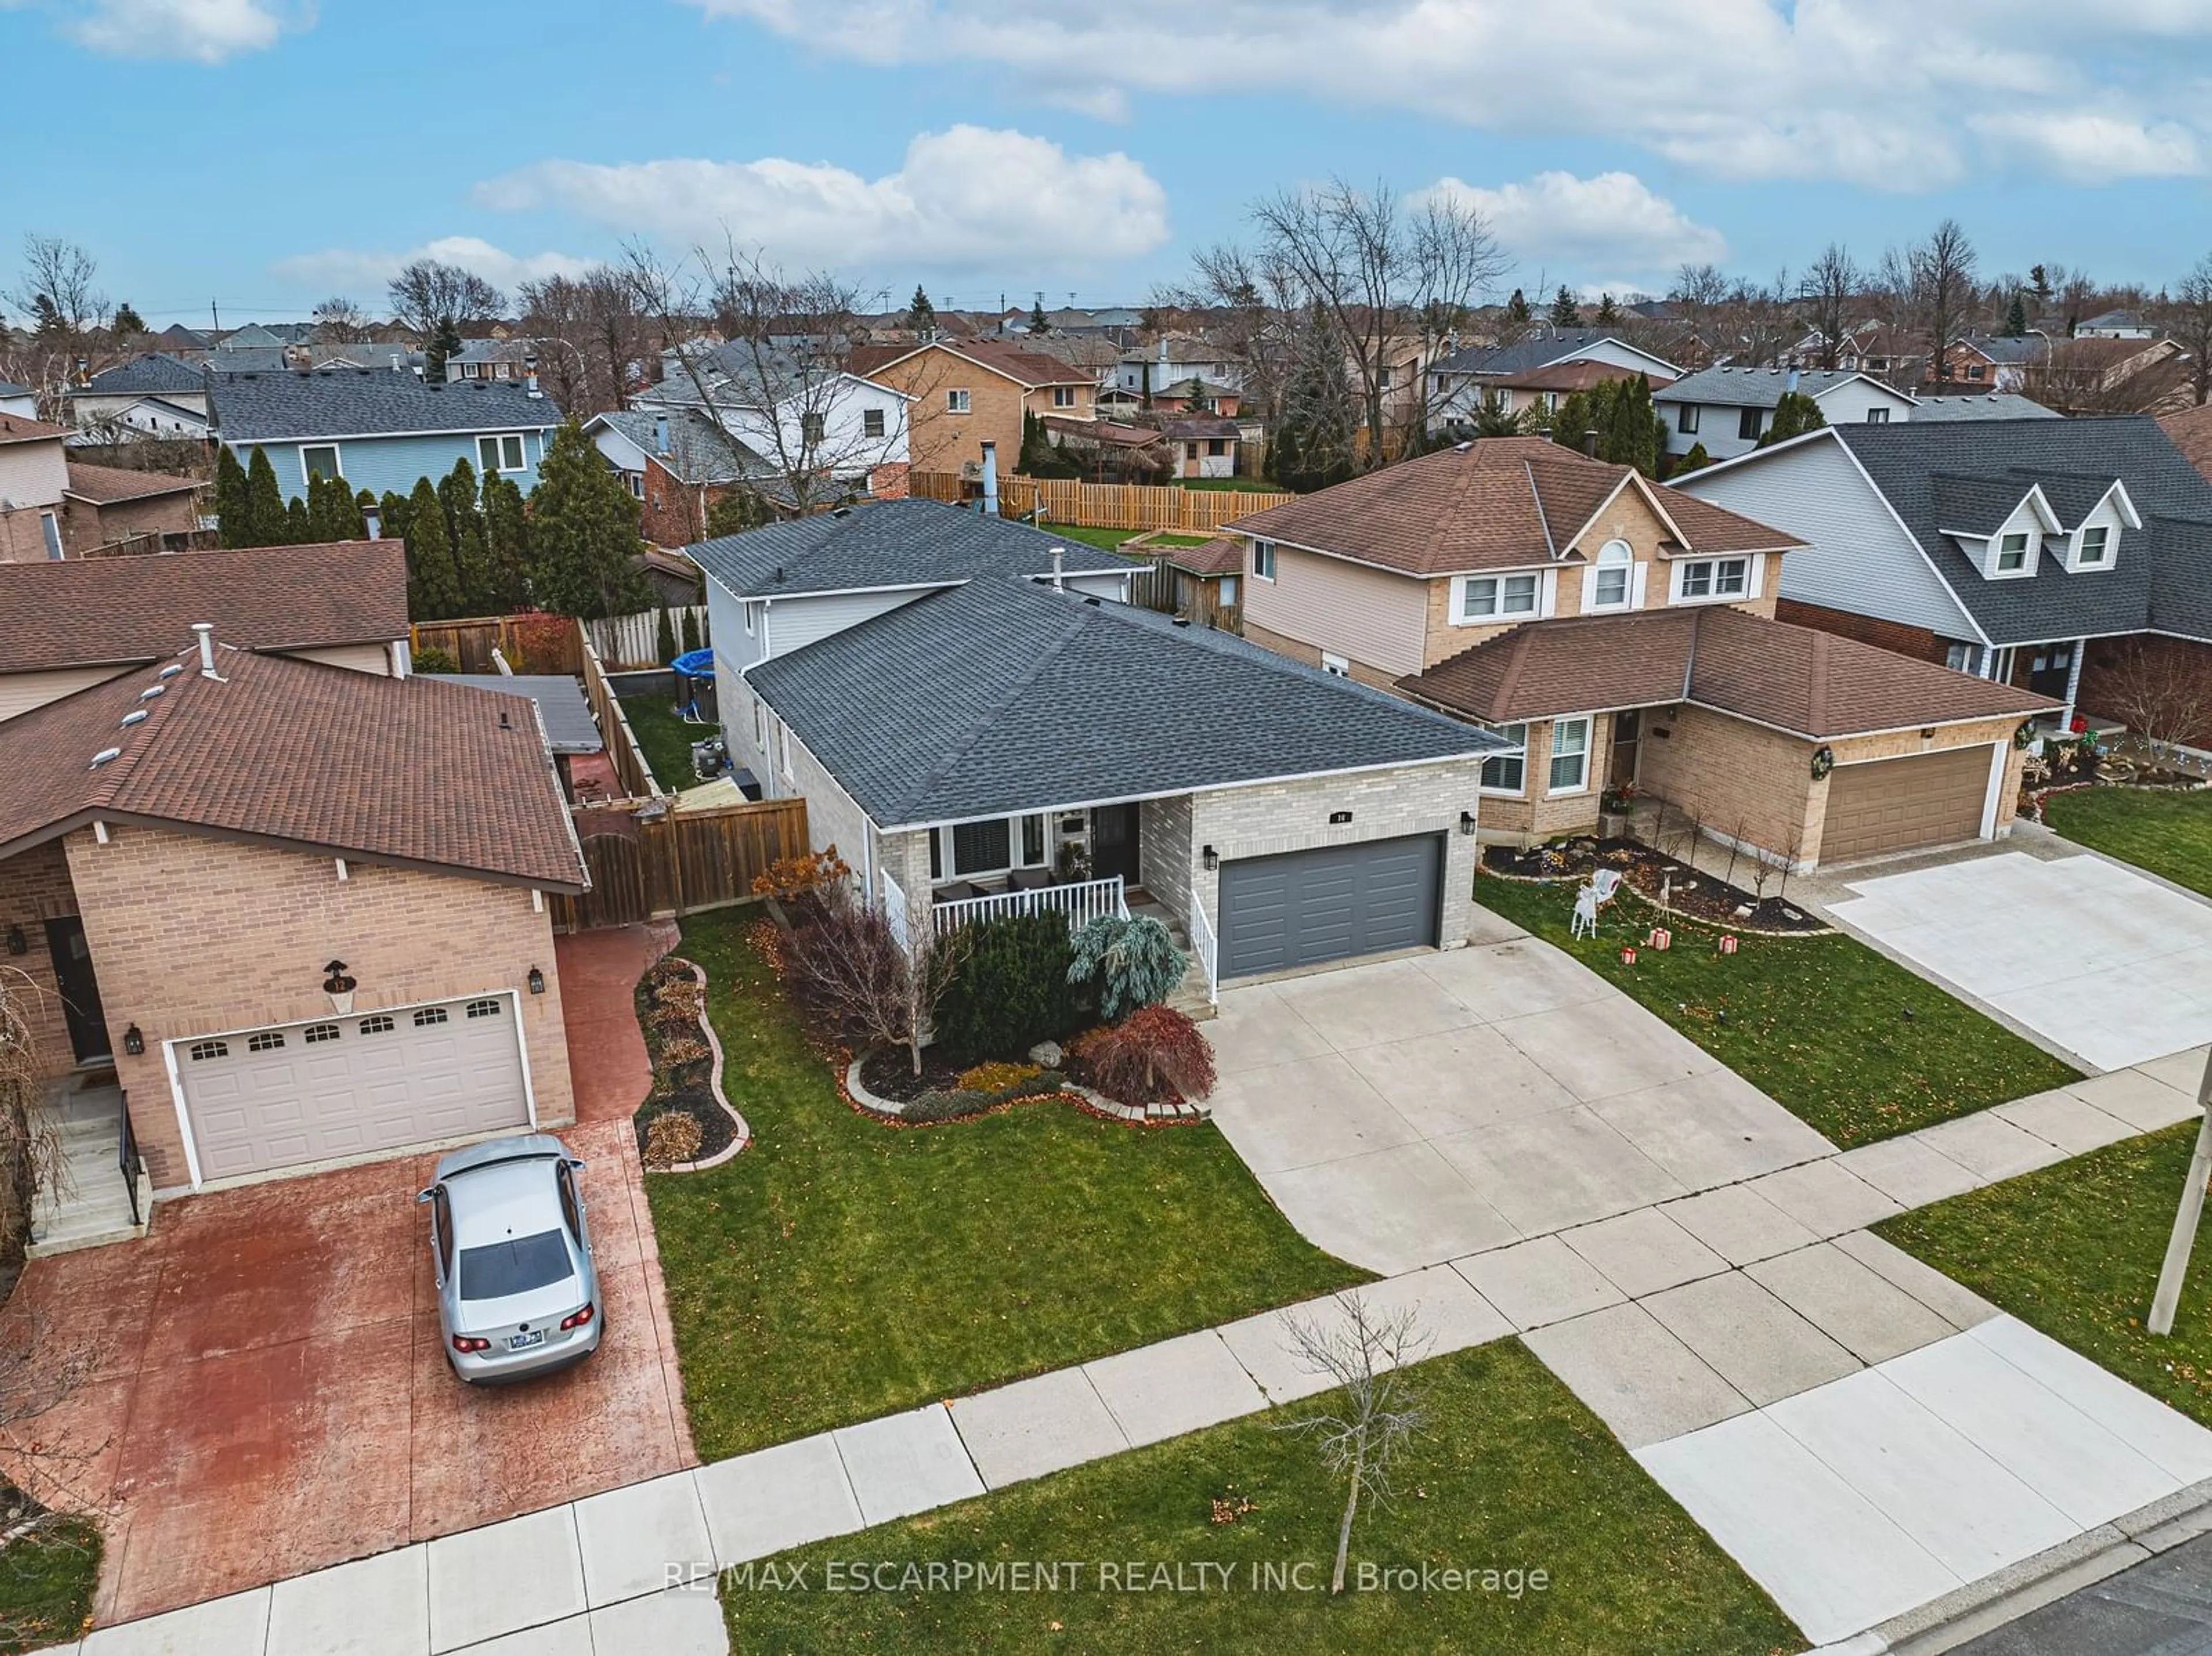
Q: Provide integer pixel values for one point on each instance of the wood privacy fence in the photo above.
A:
(1104, 505)
(681, 863)
(628, 642)
(530, 644)
(624, 751)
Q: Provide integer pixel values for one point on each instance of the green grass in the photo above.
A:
(2074, 1250)
(1111, 539)
(2169, 834)
(1817, 1023)
(1230, 485)
(1512, 1473)
(665, 739)
(46, 1582)
(841, 1269)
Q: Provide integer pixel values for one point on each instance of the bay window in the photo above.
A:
(1507, 773)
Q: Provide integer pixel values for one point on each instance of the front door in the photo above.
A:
(1113, 843)
(1626, 728)
(80, 990)
(2050, 670)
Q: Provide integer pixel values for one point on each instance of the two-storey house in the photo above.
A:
(962, 394)
(1619, 634)
(1726, 410)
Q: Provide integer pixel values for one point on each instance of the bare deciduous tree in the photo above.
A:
(2188, 317)
(2142, 687)
(1829, 289)
(598, 339)
(57, 292)
(1940, 272)
(430, 295)
(339, 321)
(849, 969)
(1365, 1356)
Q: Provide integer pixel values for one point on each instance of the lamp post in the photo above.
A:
(2178, 1246)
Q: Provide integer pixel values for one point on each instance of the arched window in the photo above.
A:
(1610, 580)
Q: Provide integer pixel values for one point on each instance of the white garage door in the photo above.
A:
(347, 1086)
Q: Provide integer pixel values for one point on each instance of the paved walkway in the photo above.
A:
(2104, 963)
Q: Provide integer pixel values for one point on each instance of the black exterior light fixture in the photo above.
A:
(1212, 857)
(17, 944)
(133, 1042)
(1466, 822)
(335, 981)
(537, 981)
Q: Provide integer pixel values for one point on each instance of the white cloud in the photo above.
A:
(2086, 147)
(1883, 93)
(345, 271)
(963, 197)
(202, 31)
(1611, 221)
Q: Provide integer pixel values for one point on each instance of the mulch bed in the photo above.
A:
(716, 1130)
(889, 1074)
(1673, 885)
(682, 1088)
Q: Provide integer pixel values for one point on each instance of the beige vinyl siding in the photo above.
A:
(21, 692)
(1350, 610)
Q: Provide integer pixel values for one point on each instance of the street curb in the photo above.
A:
(1982, 1606)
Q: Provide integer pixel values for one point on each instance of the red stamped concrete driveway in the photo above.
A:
(268, 1393)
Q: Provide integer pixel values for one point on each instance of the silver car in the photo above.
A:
(518, 1295)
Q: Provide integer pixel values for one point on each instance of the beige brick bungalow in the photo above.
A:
(1621, 634)
(276, 913)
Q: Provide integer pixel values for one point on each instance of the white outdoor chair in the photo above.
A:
(1584, 924)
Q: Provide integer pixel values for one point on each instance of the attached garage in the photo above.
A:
(1304, 907)
(263, 1099)
(1896, 804)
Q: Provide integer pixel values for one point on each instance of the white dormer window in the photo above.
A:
(2012, 553)
(1612, 578)
(2095, 547)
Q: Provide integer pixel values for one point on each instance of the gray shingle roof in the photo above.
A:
(2162, 574)
(700, 452)
(569, 726)
(9, 388)
(1984, 405)
(370, 403)
(228, 358)
(154, 372)
(1760, 388)
(1001, 697)
(2028, 348)
(1533, 352)
(889, 544)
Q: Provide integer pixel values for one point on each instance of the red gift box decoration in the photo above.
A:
(1727, 942)
(1661, 937)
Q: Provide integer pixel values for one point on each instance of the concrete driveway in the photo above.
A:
(2111, 968)
(1412, 1111)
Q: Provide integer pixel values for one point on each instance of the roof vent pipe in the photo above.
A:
(1590, 444)
(206, 631)
(991, 480)
(1058, 556)
(661, 433)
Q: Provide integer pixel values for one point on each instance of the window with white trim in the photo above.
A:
(636, 482)
(1507, 773)
(1747, 425)
(1959, 657)
(265, 1040)
(1569, 755)
(2012, 553)
(871, 422)
(487, 1008)
(1686, 420)
(1611, 580)
(1713, 578)
(2096, 546)
(316, 1034)
(1063, 397)
(319, 460)
(989, 846)
(1491, 598)
(501, 454)
(1877, 416)
(1337, 666)
(203, 1050)
(427, 1016)
(1263, 560)
(378, 1025)
(957, 402)
(49, 526)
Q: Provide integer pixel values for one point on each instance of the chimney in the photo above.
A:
(991, 480)
(530, 374)
(1059, 555)
(206, 631)
(1590, 444)
(1164, 356)
(1791, 384)
(661, 433)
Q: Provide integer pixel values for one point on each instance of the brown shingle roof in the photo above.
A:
(109, 485)
(1222, 555)
(407, 771)
(90, 612)
(2192, 432)
(1498, 503)
(1031, 368)
(1811, 683)
(15, 428)
(1579, 375)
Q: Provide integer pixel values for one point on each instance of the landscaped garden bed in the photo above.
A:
(1847, 1041)
(1509, 1474)
(835, 1271)
(2074, 1250)
(685, 1123)
(1668, 882)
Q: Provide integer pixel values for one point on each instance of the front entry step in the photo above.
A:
(90, 1205)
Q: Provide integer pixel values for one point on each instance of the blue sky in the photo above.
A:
(266, 153)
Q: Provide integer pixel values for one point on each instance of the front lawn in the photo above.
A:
(665, 739)
(1845, 1040)
(1111, 539)
(2169, 834)
(2074, 1250)
(46, 1582)
(1511, 1474)
(841, 1269)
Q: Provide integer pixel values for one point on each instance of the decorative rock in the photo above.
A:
(1046, 1053)
(1790, 914)
(1743, 911)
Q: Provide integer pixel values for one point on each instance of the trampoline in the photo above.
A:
(692, 669)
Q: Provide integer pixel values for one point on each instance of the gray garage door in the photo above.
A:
(347, 1086)
(1896, 804)
(1306, 907)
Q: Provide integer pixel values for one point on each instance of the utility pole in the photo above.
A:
(2163, 1303)
(214, 313)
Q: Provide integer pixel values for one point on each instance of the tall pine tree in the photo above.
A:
(1608, 314)
(921, 314)
(584, 539)
(234, 515)
(266, 523)
(1794, 415)
(434, 590)
(1518, 316)
(392, 514)
(2015, 326)
(506, 543)
(1566, 313)
(299, 527)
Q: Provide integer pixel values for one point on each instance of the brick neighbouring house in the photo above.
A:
(52, 508)
(2071, 557)
(965, 393)
(678, 464)
(1620, 634)
(188, 844)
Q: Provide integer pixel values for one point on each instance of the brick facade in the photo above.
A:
(2107, 663)
(1915, 641)
(34, 888)
(191, 935)
(939, 440)
(86, 527)
(1536, 813)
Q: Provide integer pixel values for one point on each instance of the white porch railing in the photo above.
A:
(1083, 903)
(894, 906)
(1208, 948)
